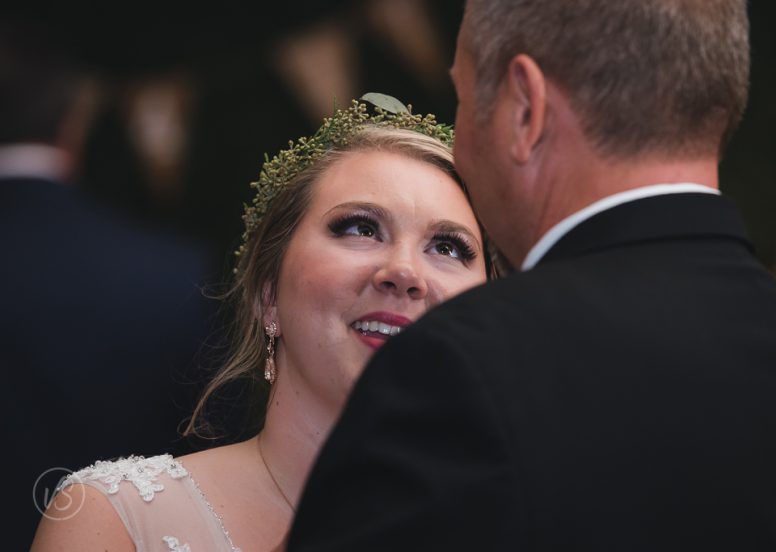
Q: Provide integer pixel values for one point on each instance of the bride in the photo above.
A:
(354, 233)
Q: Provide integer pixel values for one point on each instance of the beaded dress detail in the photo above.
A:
(161, 506)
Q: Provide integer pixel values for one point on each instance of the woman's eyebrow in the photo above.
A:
(371, 208)
(450, 227)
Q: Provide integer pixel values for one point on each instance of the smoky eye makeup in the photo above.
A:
(355, 224)
(357, 219)
(365, 220)
(455, 245)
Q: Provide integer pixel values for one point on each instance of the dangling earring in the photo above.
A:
(270, 372)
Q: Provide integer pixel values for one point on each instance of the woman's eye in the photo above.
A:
(355, 226)
(448, 249)
(361, 229)
(454, 247)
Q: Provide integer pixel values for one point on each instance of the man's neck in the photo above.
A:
(569, 189)
(601, 179)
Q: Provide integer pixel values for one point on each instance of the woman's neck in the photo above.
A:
(295, 427)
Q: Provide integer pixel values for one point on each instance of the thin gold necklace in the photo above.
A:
(275, 481)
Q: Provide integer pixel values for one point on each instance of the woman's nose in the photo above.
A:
(401, 275)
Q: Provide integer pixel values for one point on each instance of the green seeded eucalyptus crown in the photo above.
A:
(278, 172)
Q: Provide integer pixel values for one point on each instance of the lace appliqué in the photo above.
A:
(140, 471)
(174, 545)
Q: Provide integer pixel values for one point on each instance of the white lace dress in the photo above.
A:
(160, 504)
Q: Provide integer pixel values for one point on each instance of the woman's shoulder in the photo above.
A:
(81, 517)
(146, 502)
(147, 476)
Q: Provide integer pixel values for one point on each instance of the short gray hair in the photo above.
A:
(645, 76)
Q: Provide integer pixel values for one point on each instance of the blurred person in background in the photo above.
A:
(100, 319)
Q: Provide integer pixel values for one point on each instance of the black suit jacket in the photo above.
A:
(100, 322)
(620, 396)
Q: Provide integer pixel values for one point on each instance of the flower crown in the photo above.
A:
(278, 172)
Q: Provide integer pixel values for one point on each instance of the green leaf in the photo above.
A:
(385, 102)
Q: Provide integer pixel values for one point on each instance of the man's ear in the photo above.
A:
(265, 308)
(526, 91)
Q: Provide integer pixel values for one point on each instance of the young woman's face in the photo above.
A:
(385, 238)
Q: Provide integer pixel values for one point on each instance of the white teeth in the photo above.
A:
(376, 326)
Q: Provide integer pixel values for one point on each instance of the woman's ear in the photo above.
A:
(527, 93)
(265, 308)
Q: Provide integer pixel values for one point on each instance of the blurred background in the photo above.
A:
(181, 110)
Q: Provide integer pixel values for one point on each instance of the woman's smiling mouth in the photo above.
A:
(375, 328)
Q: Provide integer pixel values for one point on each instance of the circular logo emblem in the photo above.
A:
(69, 500)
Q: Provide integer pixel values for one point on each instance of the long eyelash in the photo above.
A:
(467, 251)
(342, 223)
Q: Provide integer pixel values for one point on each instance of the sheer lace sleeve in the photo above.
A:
(158, 502)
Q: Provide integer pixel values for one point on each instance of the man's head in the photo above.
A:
(659, 79)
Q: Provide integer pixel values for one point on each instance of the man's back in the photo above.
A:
(637, 383)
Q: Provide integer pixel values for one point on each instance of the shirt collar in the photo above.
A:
(569, 223)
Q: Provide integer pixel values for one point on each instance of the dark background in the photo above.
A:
(748, 171)
(238, 106)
